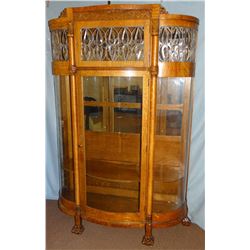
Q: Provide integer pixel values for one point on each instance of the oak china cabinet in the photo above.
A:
(124, 93)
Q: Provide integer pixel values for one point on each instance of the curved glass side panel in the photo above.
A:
(172, 125)
(64, 135)
(113, 129)
(59, 45)
(177, 44)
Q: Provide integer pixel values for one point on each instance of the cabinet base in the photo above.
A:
(104, 218)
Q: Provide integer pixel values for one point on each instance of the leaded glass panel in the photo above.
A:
(177, 44)
(112, 44)
(59, 43)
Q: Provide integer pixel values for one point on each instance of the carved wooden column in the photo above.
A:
(78, 227)
(148, 238)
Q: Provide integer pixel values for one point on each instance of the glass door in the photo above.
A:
(113, 121)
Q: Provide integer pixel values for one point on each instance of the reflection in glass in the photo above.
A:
(174, 119)
(126, 89)
(112, 104)
(170, 90)
(127, 120)
(94, 118)
(94, 88)
(169, 122)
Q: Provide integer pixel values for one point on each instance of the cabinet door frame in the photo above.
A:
(104, 217)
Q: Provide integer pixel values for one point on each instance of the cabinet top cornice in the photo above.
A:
(120, 12)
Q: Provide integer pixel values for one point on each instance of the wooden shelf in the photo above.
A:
(166, 173)
(112, 172)
(178, 107)
(112, 203)
(106, 202)
(166, 206)
(113, 104)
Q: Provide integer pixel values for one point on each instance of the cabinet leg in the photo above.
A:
(78, 227)
(186, 221)
(148, 238)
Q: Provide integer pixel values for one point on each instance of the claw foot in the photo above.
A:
(77, 229)
(186, 221)
(148, 240)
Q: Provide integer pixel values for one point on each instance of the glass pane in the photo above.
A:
(173, 122)
(64, 130)
(169, 122)
(168, 175)
(112, 135)
(59, 44)
(94, 119)
(126, 89)
(169, 170)
(94, 88)
(127, 120)
(112, 104)
(177, 44)
(170, 90)
(112, 44)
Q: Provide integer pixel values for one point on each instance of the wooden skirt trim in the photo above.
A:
(159, 220)
(66, 206)
(60, 68)
(166, 69)
(169, 219)
(115, 223)
(179, 20)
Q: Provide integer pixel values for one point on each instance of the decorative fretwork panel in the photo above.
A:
(112, 44)
(177, 44)
(59, 43)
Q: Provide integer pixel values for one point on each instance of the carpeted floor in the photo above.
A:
(58, 235)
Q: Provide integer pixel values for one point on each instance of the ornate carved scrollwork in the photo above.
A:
(112, 15)
(72, 69)
(163, 11)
